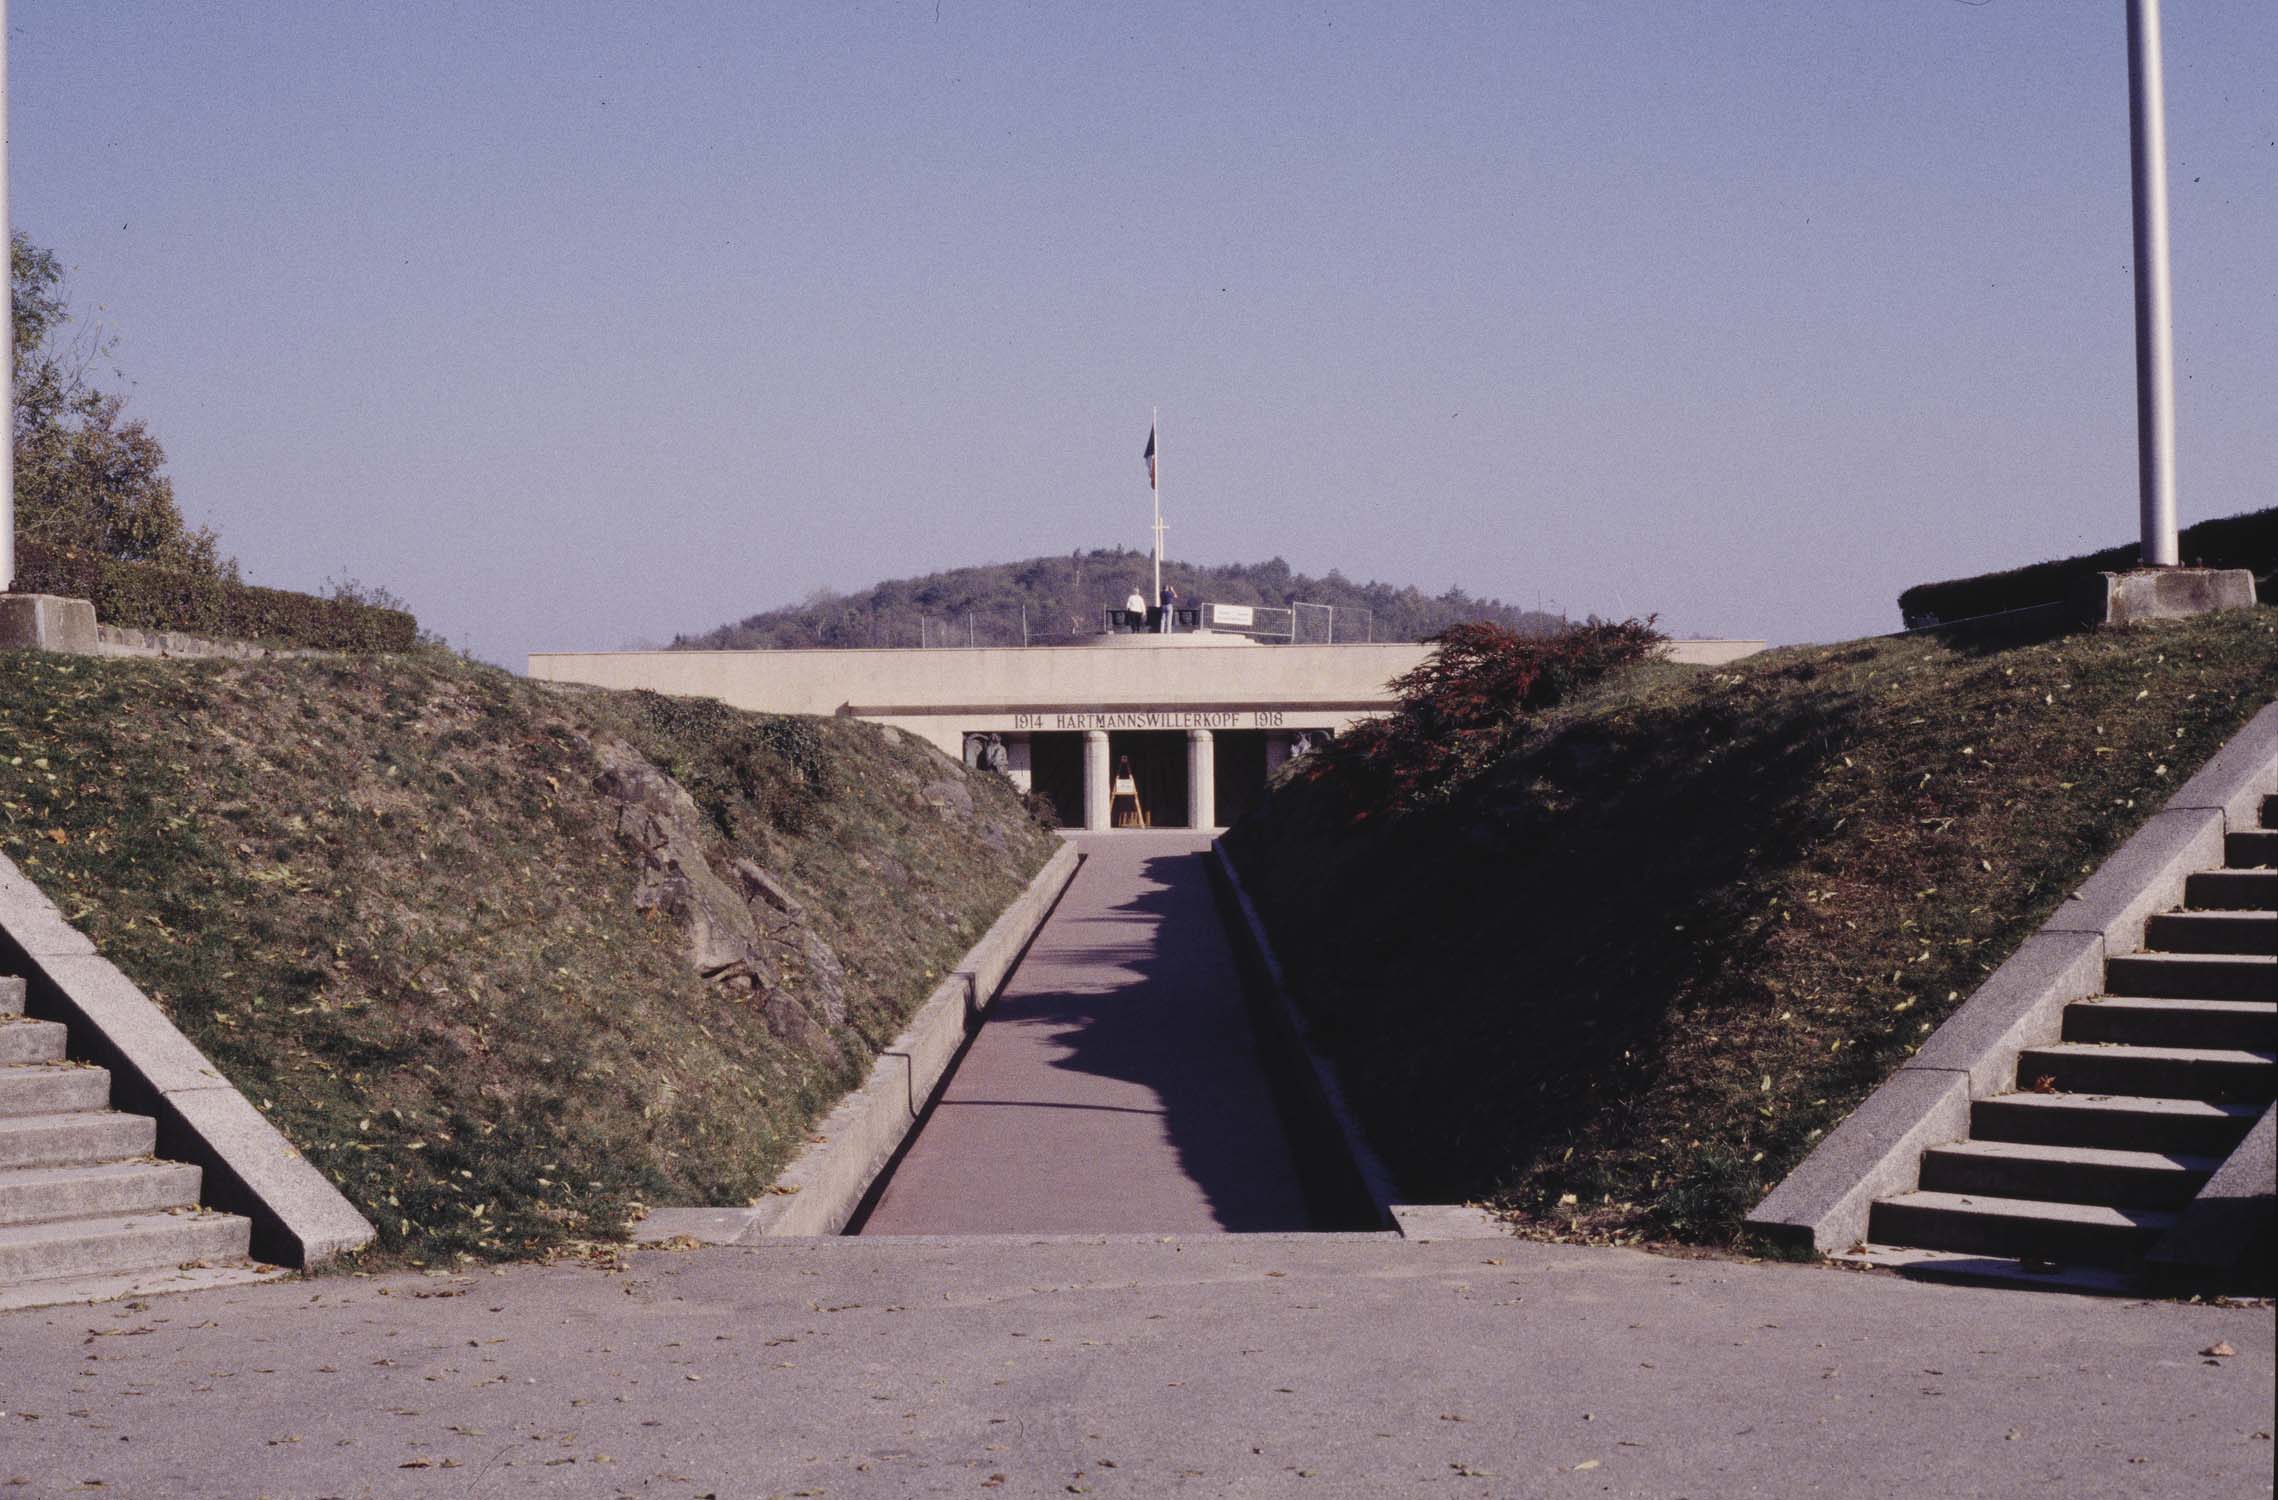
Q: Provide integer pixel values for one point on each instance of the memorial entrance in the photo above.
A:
(1240, 772)
(1157, 761)
(1056, 772)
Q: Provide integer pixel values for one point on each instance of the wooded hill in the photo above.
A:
(1042, 598)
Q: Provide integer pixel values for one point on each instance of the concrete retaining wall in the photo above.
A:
(48, 622)
(299, 1217)
(1322, 1104)
(825, 1183)
(1877, 1152)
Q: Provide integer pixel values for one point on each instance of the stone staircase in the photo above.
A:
(85, 1211)
(2112, 1130)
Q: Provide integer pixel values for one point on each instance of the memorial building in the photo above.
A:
(1121, 729)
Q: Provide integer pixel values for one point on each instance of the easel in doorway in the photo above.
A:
(1125, 789)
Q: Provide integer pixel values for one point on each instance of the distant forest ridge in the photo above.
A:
(1046, 599)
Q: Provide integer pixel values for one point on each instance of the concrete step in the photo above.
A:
(2194, 976)
(2065, 1174)
(2096, 1233)
(123, 1242)
(151, 1281)
(52, 1088)
(2232, 890)
(2199, 1127)
(2254, 848)
(74, 1139)
(11, 995)
(30, 1195)
(23, 1041)
(2148, 1021)
(2156, 1072)
(1996, 1270)
(2213, 932)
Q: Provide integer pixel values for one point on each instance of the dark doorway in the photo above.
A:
(1158, 762)
(1241, 773)
(1056, 770)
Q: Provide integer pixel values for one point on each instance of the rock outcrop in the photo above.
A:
(746, 932)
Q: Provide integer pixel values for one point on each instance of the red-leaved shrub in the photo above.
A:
(1460, 708)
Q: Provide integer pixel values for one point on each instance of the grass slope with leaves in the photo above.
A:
(384, 896)
(1619, 982)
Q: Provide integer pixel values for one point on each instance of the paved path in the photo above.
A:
(1115, 1085)
(1212, 1365)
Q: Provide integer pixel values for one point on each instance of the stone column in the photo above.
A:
(1201, 779)
(1095, 778)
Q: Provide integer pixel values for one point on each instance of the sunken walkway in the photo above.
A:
(1117, 1084)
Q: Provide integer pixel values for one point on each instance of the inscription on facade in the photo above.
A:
(1254, 718)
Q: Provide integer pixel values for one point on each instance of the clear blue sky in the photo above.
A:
(584, 324)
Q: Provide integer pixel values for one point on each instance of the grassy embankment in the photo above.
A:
(385, 896)
(1619, 983)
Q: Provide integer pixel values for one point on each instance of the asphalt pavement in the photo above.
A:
(1205, 1365)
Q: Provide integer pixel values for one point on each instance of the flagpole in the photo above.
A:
(7, 318)
(1155, 488)
(2155, 337)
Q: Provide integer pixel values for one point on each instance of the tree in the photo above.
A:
(87, 475)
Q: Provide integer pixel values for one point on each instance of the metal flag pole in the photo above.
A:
(1155, 488)
(2155, 332)
(7, 326)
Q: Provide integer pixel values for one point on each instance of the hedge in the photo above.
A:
(142, 597)
(2244, 541)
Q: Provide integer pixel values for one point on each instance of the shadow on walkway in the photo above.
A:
(1117, 1084)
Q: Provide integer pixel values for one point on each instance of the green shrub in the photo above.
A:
(2243, 541)
(748, 772)
(143, 597)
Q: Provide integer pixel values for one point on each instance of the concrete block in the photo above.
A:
(2237, 777)
(73, 1140)
(2164, 594)
(47, 622)
(101, 1191)
(1425, 1222)
(2021, 1005)
(2222, 1241)
(122, 1242)
(114, 1023)
(706, 1226)
(2143, 877)
(299, 1217)
(30, 926)
(69, 1291)
(1875, 1153)
(51, 1089)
